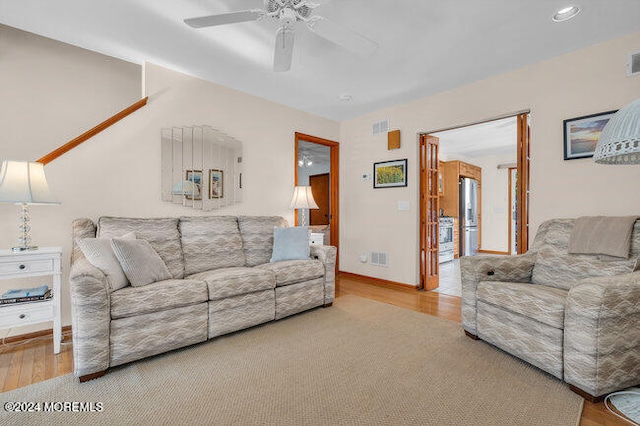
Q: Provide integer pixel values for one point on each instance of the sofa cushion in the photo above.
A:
(159, 296)
(294, 271)
(556, 232)
(542, 303)
(557, 269)
(99, 253)
(210, 242)
(290, 243)
(140, 262)
(227, 282)
(162, 234)
(257, 237)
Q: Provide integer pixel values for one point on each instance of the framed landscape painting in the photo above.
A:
(390, 174)
(216, 183)
(581, 134)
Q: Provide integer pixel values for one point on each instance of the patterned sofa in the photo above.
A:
(576, 317)
(222, 281)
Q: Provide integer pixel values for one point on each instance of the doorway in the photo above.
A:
(317, 165)
(487, 151)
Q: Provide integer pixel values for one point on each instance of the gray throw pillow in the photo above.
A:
(99, 253)
(290, 243)
(140, 262)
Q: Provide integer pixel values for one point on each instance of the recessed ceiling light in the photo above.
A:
(566, 13)
(345, 97)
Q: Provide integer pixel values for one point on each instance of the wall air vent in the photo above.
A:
(633, 63)
(379, 258)
(380, 127)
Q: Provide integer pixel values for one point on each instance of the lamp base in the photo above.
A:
(26, 248)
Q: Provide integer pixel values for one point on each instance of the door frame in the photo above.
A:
(523, 167)
(334, 192)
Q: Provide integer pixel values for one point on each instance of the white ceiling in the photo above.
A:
(498, 137)
(426, 46)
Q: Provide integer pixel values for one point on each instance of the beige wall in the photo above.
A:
(583, 82)
(118, 171)
(495, 201)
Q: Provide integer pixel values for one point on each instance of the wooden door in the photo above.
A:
(429, 205)
(320, 186)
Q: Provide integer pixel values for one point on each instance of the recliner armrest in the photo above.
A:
(475, 269)
(601, 333)
(327, 255)
(90, 317)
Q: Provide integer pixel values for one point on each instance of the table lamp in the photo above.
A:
(302, 200)
(24, 183)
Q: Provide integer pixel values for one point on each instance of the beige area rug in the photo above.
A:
(360, 362)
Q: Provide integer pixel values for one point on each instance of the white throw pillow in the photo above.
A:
(99, 253)
(140, 262)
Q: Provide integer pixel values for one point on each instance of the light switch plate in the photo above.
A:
(403, 205)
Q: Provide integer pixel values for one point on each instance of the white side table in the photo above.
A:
(316, 238)
(37, 263)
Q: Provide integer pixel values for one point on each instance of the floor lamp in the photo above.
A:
(619, 142)
(24, 183)
(303, 200)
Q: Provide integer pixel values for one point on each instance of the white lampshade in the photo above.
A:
(619, 142)
(186, 187)
(23, 182)
(303, 198)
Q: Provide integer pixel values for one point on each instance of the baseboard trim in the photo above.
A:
(505, 253)
(34, 335)
(376, 281)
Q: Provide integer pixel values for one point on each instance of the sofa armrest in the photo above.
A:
(475, 269)
(601, 337)
(327, 255)
(90, 318)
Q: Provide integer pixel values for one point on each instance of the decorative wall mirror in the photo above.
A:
(201, 167)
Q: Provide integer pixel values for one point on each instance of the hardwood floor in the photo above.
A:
(26, 362)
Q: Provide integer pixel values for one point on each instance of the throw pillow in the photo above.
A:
(290, 243)
(99, 253)
(140, 262)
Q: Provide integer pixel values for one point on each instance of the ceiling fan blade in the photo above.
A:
(284, 50)
(224, 18)
(342, 36)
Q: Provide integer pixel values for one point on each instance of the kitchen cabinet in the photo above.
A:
(452, 171)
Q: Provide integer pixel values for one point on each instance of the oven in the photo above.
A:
(445, 254)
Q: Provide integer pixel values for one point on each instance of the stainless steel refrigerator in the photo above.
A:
(468, 217)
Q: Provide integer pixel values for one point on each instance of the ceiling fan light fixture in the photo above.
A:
(566, 13)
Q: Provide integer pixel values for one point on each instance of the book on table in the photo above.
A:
(30, 297)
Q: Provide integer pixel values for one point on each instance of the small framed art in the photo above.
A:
(216, 183)
(390, 174)
(194, 176)
(581, 134)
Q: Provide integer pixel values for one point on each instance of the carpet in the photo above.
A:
(359, 362)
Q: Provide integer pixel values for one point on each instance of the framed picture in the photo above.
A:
(581, 134)
(390, 174)
(194, 176)
(216, 181)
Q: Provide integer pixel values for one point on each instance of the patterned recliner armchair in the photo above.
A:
(576, 317)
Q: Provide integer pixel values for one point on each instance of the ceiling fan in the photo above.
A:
(288, 13)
